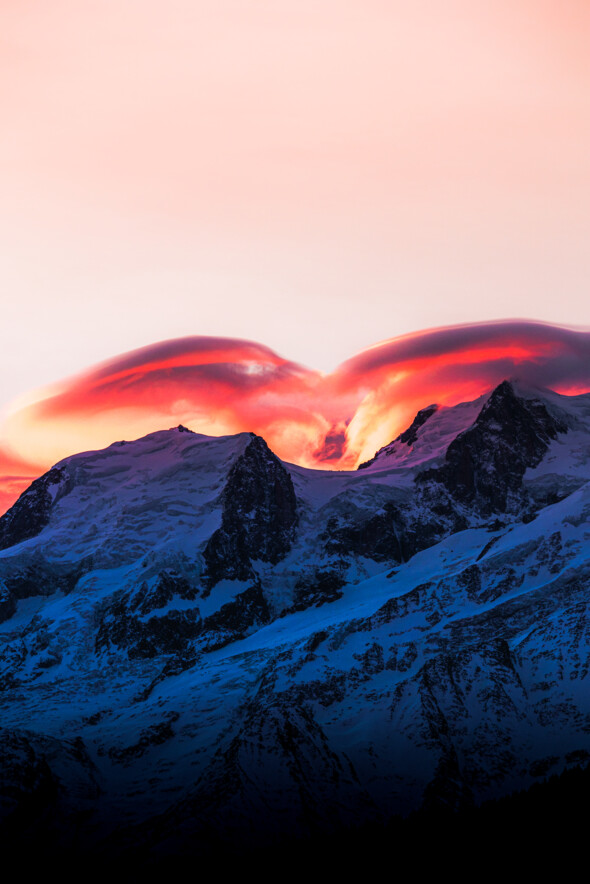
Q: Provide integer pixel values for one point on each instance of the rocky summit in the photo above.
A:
(200, 644)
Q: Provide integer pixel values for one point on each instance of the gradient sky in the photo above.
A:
(317, 175)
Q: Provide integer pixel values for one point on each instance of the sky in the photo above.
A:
(315, 176)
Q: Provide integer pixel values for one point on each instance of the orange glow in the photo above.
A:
(220, 386)
(15, 476)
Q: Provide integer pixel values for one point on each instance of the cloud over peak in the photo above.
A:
(220, 386)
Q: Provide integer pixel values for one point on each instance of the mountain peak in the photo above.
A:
(409, 436)
(509, 404)
(508, 390)
(485, 464)
(507, 387)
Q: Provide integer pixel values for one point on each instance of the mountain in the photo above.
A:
(200, 643)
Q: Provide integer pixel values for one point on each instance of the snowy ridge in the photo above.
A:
(244, 648)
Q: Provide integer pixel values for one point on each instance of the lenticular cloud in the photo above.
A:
(220, 386)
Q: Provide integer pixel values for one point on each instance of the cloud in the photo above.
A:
(221, 386)
(216, 386)
(455, 364)
(15, 476)
(334, 446)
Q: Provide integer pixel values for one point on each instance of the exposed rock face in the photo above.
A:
(484, 466)
(382, 537)
(30, 514)
(482, 474)
(259, 516)
(145, 622)
(35, 575)
(318, 587)
(409, 436)
(235, 618)
(166, 634)
(154, 621)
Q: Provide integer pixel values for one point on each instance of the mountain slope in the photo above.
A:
(243, 647)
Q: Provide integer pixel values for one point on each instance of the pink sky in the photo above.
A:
(314, 175)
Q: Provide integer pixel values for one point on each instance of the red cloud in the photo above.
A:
(15, 476)
(219, 386)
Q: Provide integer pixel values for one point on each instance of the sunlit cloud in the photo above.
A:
(221, 386)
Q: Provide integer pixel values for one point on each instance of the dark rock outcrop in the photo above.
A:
(381, 537)
(320, 586)
(259, 516)
(234, 619)
(30, 514)
(484, 466)
(37, 576)
(155, 735)
(482, 475)
(144, 623)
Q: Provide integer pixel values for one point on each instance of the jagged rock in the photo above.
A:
(482, 474)
(38, 577)
(31, 512)
(235, 619)
(149, 598)
(484, 466)
(382, 537)
(324, 585)
(259, 516)
(166, 634)
(144, 623)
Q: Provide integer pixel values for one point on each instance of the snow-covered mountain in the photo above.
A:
(200, 641)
